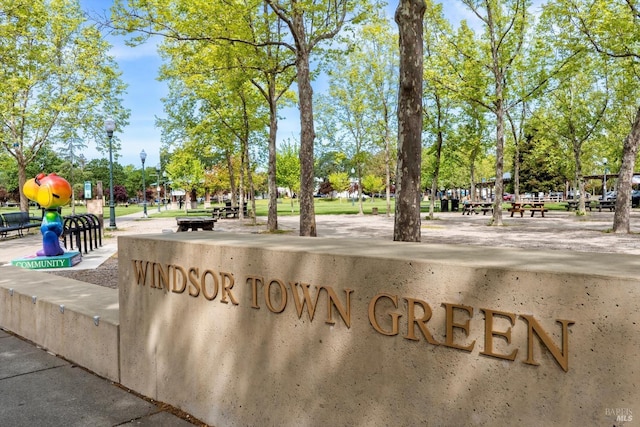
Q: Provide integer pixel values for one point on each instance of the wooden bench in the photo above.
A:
(609, 204)
(572, 205)
(228, 212)
(541, 210)
(199, 211)
(486, 209)
(194, 223)
(16, 221)
(469, 208)
(514, 210)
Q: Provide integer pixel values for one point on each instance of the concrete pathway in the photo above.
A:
(40, 389)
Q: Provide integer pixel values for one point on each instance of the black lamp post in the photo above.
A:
(109, 127)
(166, 200)
(158, 184)
(143, 157)
(604, 184)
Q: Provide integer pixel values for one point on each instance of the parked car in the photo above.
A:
(570, 195)
(556, 195)
(508, 197)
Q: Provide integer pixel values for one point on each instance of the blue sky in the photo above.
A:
(139, 67)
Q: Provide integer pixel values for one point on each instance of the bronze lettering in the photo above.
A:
(283, 296)
(489, 333)
(203, 284)
(412, 320)
(140, 273)
(226, 288)
(311, 305)
(183, 281)
(163, 276)
(394, 316)
(332, 300)
(383, 310)
(562, 357)
(253, 282)
(194, 286)
(450, 325)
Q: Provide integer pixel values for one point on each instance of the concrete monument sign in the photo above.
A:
(272, 330)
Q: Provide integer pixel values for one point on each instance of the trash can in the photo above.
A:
(454, 205)
(374, 211)
(444, 205)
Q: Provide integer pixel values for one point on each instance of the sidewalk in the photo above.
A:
(38, 388)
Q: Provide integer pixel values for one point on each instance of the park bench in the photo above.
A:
(228, 211)
(533, 207)
(200, 211)
(542, 210)
(572, 205)
(606, 204)
(477, 207)
(194, 223)
(16, 221)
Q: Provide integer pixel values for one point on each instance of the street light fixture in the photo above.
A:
(143, 157)
(109, 127)
(158, 184)
(604, 184)
(166, 200)
(352, 187)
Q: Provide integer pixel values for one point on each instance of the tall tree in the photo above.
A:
(288, 175)
(379, 54)
(438, 99)
(275, 74)
(409, 15)
(610, 27)
(310, 24)
(55, 74)
(357, 105)
(576, 111)
(504, 24)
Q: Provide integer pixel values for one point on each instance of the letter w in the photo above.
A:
(311, 305)
(140, 272)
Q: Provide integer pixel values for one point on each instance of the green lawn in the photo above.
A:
(322, 207)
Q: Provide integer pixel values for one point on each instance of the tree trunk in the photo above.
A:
(499, 186)
(625, 176)
(22, 179)
(232, 179)
(272, 216)
(307, 138)
(387, 159)
(251, 192)
(408, 16)
(579, 187)
(436, 172)
(361, 211)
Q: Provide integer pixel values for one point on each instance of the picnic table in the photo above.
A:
(475, 207)
(606, 204)
(572, 205)
(194, 223)
(199, 212)
(228, 211)
(533, 207)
